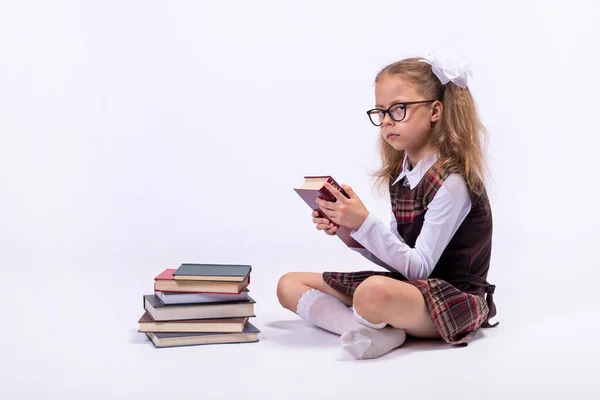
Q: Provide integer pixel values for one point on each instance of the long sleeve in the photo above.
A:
(370, 256)
(445, 213)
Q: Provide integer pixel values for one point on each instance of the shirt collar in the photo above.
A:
(414, 175)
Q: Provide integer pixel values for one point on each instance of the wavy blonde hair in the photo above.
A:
(458, 137)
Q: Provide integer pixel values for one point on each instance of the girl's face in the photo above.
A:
(412, 133)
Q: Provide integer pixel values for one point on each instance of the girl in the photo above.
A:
(438, 249)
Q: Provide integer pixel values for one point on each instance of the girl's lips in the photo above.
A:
(391, 136)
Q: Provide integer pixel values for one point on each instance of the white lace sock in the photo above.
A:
(326, 312)
(359, 337)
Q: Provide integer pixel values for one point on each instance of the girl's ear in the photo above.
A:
(436, 111)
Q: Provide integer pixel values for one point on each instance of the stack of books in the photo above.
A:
(200, 304)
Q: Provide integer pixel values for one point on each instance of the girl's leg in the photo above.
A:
(384, 300)
(307, 295)
(400, 304)
(293, 285)
(313, 300)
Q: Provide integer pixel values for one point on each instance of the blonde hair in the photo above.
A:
(458, 137)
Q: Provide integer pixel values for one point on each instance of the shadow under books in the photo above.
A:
(137, 337)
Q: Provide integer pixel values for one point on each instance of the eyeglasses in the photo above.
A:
(396, 111)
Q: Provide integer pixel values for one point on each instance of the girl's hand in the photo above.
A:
(349, 212)
(323, 224)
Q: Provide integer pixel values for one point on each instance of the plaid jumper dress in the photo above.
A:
(457, 294)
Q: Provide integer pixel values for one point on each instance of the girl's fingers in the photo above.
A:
(321, 221)
(331, 231)
(323, 227)
(324, 224)
(326, 205)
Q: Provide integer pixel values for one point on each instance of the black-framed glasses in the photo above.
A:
(397, 112)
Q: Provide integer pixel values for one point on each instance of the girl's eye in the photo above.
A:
(398, 111)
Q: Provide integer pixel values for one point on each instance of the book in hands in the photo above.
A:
(312, 189)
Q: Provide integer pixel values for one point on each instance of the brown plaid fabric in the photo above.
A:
(407, 204)
(457, 315)
(347, 282)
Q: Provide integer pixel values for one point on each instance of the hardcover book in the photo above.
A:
(166, 339)
(313, 188)
(185, 298)
(236, 325)
(212, 272)
(164, 282)
(170, 312)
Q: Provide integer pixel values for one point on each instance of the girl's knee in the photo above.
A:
(284, 282)
(377, 293)
(371, 293)
(288, 288)
(293, 285)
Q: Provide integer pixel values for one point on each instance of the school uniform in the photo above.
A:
(439, 240)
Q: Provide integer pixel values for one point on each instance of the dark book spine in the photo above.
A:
(327, 195)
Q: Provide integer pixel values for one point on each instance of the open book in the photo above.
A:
(313, 188)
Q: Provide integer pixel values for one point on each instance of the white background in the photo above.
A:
(137, 135)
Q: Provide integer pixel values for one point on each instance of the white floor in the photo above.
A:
(135, 136)
(83, 343)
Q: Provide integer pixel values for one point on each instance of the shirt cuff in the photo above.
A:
(361, 234)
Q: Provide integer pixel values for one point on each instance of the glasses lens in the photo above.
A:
(398, 112)
(376, 117)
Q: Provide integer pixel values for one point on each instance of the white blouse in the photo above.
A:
(449, 207)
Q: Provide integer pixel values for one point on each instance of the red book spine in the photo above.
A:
(309, 196)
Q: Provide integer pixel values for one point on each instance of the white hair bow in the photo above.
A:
(447, 69)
